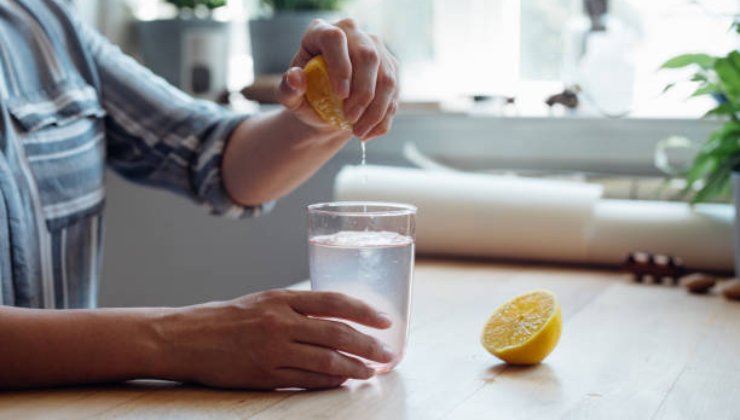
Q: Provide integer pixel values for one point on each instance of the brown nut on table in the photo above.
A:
(698, 283)
(732, 290)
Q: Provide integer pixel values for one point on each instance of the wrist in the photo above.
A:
(160, 355)
(310, 134)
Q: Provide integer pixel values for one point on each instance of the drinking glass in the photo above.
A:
(366, 250)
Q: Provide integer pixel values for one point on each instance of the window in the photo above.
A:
(520, 47)
(530, 49)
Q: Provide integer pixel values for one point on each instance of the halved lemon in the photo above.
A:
(524, 330)
(321, 96)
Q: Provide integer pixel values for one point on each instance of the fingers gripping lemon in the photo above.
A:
(524, 330)
(320, 95)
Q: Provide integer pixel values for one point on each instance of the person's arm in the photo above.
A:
(261, 341)
(47, 348)
(268, 156)
(156, 135)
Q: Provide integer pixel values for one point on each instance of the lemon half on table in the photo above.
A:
(524, 330)
(321, 96)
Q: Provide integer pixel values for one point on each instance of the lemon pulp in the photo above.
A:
(524, 330)
(321, 96)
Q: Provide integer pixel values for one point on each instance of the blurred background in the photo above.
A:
(543, 88)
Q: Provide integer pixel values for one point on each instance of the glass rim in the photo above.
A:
(392, 209)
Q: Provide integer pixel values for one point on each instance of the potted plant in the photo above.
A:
(715, 171)
(191, 50)
(275, 37)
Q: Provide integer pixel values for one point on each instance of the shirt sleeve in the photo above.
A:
(158, 135)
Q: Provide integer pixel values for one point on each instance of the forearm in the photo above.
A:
(270, 155)
(47, 348)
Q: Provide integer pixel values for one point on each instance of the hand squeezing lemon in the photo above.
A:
(524, 330)
(320, 95)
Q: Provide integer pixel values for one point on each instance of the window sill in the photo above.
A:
(583, 144)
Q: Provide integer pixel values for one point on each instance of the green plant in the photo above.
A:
(719, 156)
(194, 4)
(283, 5)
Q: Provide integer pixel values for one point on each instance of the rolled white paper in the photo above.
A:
(482, 215)
(522, 218)
(701, 236)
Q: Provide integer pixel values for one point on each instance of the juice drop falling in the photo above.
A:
(364, 153)
(363, 163)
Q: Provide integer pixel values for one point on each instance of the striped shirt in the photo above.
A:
(70, 102)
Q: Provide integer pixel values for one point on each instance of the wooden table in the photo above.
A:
(628, 351)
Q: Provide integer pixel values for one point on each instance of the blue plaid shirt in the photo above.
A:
(70, 102)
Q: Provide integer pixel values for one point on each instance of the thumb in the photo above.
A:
(292, 88)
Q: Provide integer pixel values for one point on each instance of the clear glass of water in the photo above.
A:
(366, 250)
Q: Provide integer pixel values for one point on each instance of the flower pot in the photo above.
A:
(736, 197)
(276, 39)
(190, 53)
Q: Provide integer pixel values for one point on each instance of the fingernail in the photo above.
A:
(385, 317)
(361, 132)
(388, 353)
(290, 76)
(353, 114)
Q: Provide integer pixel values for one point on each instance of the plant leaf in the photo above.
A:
(729, 130)
(191, 4)
(668, 87)
(714, 164)
(702, 165)
(715, 184)
(721, 110)
(281, 5)
(699, 77)
(728, 71)
(707, 89)
(704, 61)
